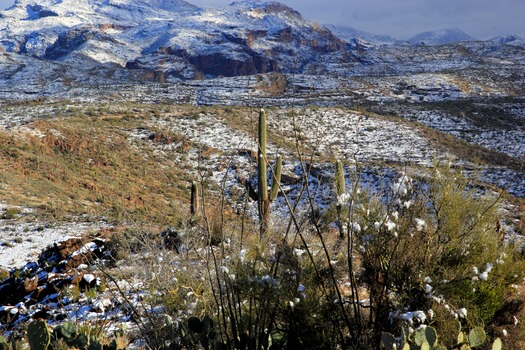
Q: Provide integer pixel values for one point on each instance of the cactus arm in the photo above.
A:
(262, 184)
(276, 178)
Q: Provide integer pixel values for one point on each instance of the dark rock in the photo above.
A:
(41, 313)
(30, 267)
(286, 35)
(218, 64)
(290, 179)
(171, 239)
(506, 314)
(59, 251)
(76, 279)
(8, 291)
(33, 286)
(37, 11)
(68, 42)
(88, 281)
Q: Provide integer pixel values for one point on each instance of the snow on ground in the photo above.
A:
(501, 140)
(343, 134)
(338, 133)
(22, 240)
(330, 132)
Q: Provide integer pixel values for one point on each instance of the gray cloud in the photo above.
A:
(481, 19)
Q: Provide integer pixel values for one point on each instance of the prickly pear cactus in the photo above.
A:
(431, 336)
(65, 330)
(388, 341)
(420, 337)
(95, 345)
(38, 335)
(3, 343)
(195, 325)
(204, 328)
(497, 345)
(477, 337)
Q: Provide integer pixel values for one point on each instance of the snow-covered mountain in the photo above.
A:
(510, 40)
(173, 36)
(440, 37)
(52, 46)
(352, 36)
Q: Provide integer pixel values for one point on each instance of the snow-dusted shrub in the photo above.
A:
(416, 247)
(271, 296)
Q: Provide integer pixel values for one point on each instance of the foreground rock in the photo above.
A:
(33, 290)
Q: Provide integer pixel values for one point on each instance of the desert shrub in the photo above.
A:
(421, 251)
(270, 297)
(430, 244)
(11, 213)
(273, 84)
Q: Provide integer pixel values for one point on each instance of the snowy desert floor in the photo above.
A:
(76, 170)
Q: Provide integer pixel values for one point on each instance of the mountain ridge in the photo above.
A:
(123, 41)
(440, 37)
(245, 37)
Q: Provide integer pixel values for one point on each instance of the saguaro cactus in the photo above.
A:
(340, 187)
(194, 205)
(340, 191)
(263, 197)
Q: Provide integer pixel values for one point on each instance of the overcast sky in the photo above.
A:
(482, 19)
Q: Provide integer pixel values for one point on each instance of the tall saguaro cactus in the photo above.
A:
(340, 191)
(263, 196)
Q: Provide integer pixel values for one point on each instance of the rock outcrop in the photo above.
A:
(27, 291)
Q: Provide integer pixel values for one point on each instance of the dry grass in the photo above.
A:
(460, 148)
(86, 165)
(468, 151)
(77, 160)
